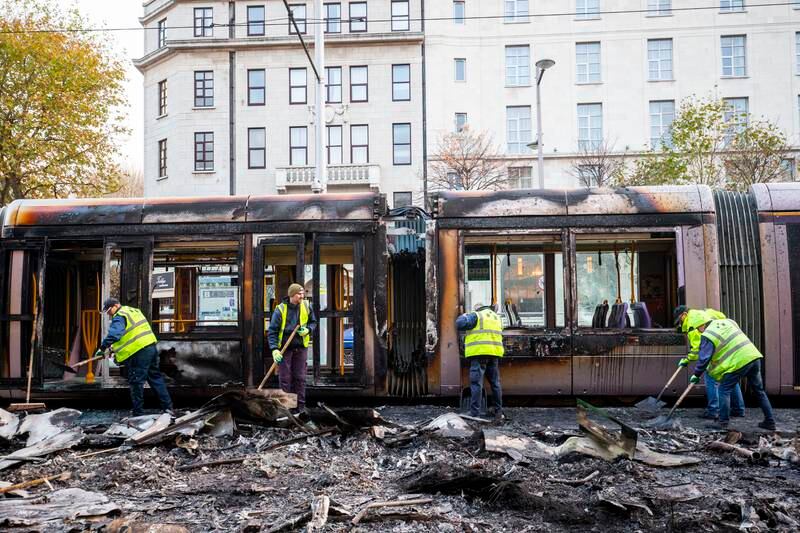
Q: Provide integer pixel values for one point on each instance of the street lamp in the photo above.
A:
(541, 66)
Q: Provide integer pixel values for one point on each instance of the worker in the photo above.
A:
(133, 344)
(294, 310)
(483, 347)
(687, 320)
(728, 355)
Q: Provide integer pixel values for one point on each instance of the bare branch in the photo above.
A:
(467, 161)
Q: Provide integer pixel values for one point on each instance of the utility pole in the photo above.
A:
(320, 182)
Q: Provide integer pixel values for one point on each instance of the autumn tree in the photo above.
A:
(60, 98)
(756, 155)
(468, 161)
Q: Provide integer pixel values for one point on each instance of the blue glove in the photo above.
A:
(277, 356)
(683, 362)
(303, 331)
(694, 380)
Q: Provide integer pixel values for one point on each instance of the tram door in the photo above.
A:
(325, 267)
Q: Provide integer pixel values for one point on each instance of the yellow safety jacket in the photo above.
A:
(138, 334)
(486, 338)
(694, 319)
(732, 349)
(303, 321)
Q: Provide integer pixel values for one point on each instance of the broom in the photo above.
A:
(28, 406)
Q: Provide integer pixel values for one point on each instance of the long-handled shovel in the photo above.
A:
(654, 404)
(275, 363)
(71, 369)
(666, 422)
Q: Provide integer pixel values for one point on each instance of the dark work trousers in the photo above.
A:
(751, 371)
(480, 365)
(292, 373)
(143, 366)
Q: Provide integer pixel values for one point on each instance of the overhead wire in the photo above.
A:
(313, 21)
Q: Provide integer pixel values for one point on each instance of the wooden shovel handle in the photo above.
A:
(275, 364)
(86, 362)
(680, 400)
(675, 375)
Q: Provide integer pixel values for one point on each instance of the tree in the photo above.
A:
(60, 95)
(131, 185)
(597, 166)
(756, 155)
(467, 161)
(711, 144)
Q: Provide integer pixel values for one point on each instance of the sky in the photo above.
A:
(129, 45)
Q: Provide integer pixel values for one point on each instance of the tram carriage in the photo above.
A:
(585, 281)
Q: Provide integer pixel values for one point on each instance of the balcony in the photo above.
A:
(350, 175)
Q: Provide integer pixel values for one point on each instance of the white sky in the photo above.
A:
(129, 45)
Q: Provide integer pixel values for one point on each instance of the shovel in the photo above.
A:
(654, 404)
(71, 369)
(666, 422)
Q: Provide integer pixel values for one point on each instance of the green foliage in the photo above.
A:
(60, 95)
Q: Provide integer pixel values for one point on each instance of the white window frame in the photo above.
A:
(731, 6)
(733, 43)
(516, 11)
(460, 120)
(463, 62)
(518, 66)
(662, 114)
(518, 129)
(660, 67)
(590, 125)
(737, 114)
(521, 177)
(459, 12)
(659, 8)
(587, 9)
(585, 54)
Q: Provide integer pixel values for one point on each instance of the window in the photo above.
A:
(523, 277)
(203, 22)
(298, 12)
(199, 292)
(515, 10)
(591, 175)
(358, 84)
(359, 144)
(730, 6)
(162, 33)
(204, 151)
(626, 282)
(256, 148)
(255, 20)
(358, 17)
(737, 114)
(297, 86)
(256, 87)
(518, 129)
(797, 51)
(590, 126)
(662, 113)
(400, 16)
(788, 169)
(333, 85)
(333, 18)
(518, 66)
(659, 59)
(204, 88)
(298, 146)
(659, 7)
(401, 83)
(587, 58)
(461, 69)
(402, 199)
(587, 9)
(401, 144)
(460, 121)
(458, 12)
(520, 177)
(162, 158)
(162, 98)
(733, 55)
(334, 145)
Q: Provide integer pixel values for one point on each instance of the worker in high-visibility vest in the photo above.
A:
(687, 320)
(728, 355)
(133, 344)
(483, 348)
(293, 311)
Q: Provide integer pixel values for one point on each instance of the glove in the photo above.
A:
(277, 356)
(303, 331)
(683, 362)
(694, 380)
(100, 351)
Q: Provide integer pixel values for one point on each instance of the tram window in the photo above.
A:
(625, 281)
(199, 287)
(525, 280)
(336, 306)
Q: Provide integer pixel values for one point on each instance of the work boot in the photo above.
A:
(499, 417)
(769, 426)
(709, 416)
(724, 426)
(737, 415)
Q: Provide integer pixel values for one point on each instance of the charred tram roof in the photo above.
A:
(357, 207)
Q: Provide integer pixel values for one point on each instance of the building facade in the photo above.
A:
(229, 90)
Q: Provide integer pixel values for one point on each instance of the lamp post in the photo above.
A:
(541, 66)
